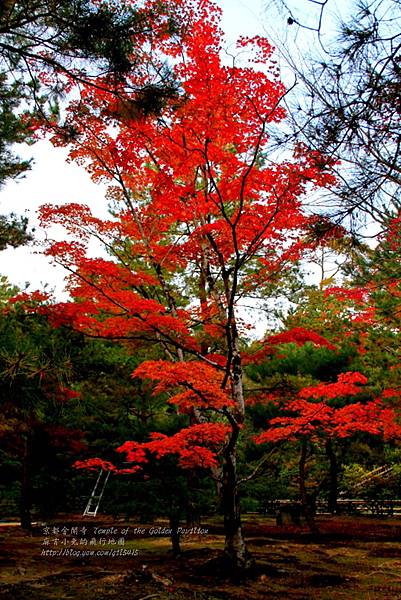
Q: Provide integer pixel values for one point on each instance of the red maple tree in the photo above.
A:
(315, 418)
(311, 415)
(201, 216)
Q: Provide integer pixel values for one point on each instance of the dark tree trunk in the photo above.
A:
(192, 515)
(25, 503)
(333, 478)
(175, 535)
(235, 548)
(306, 505)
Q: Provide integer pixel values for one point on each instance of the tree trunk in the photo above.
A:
(25, 502)
(333, 478)
(306, 507)
(235, 548)
(192, 516)
(175, 535)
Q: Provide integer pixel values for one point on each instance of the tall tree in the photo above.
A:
(200, 219)
(323, 415)
(348, 103)
(46, 44)
(36, 371)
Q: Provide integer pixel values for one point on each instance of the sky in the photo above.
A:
(54, 180)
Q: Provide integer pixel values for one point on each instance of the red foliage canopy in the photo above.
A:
(200, 218)
(299, 336)
(315, 420)
(346, 385)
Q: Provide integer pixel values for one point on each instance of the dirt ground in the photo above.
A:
(352, 558)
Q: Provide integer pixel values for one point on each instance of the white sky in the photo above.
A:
(54, 180)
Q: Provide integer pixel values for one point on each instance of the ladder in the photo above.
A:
(97, 493)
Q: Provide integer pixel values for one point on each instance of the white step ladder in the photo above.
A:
(97, 493)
